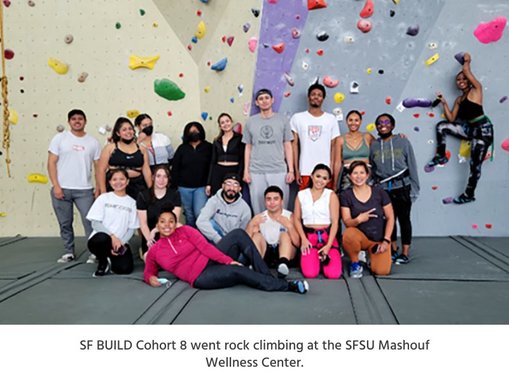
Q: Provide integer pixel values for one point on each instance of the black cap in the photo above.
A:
(232, 176)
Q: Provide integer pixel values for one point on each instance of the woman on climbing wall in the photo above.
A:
(227, 154)
(466, 121)
(124, 152)
(190, 170)
(158, 146)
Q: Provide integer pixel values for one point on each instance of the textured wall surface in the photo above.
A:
(387, 63)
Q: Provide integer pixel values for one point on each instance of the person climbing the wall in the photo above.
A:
(466, 121)
(394, 168)
(71, 156)
(315, 133)
(268, 157)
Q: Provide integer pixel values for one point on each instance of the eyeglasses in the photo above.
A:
(384, 122)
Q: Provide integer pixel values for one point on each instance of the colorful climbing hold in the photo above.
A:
(416, 115)
(194, 39)
(198, 13)
(369, 70)
(316, 4)
(240, 88)
(460, 57)
(13, 116)
(168, 89)
(432, 59)
(68, 38)
(137, 62)
(272, 1)
(133, 113)
(289, 79)
(82, 77)
(279, 48)
(8, 54)
(142, 12)
(417, 128)
(319, 52)
(354, 87)
(232, 100)
(229, 40)
(412, 30)
(339, 97)
(31, 3)
(430, 114)
(255, 12)
(246, 27)
(322, 36)
(295, 33)
(475, 226)
(220, 65)
(368, 9)
(7, 3)
(200, 30)
(237, 127)
(204, 115)
(491, 31)
(330, 82)
(338, 112)
(364, 25)
(206, 89)
(434, 188)
(58, 66)
(252, 44)
(305, 65)
(37, 178)
(388, 100)
(392, 13)
(417, 102)
(503, 99)
(155, 24)
(488, 226)
(118, 25)
(505, 145)
(380, 71)
(371, 127)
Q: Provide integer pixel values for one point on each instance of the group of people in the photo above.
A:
(365, 183)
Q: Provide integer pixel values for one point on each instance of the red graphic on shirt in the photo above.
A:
(314, 132)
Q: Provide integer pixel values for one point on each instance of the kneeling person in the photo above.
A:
(273, 232)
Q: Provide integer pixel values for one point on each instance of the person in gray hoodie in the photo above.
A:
(394, 168)
(225, 211)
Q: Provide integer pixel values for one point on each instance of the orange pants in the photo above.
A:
(355, 241)
(305, 183)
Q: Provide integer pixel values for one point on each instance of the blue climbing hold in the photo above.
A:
(204, 115)
(220, 65)
(194, 39)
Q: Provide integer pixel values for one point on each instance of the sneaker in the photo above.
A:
(437, 160)
(68, 257)
(282, 270)
(394, 255)
(298, 286)
(463, 198)
(356, 270)
(91, 259)
(103, 268)
(362, 257)
(401, 259)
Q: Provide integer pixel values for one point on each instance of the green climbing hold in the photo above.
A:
(168, 89)
(142, 12)
(118, 25)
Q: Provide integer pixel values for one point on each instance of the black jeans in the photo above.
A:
(402, 205)
(100, 245)
(238, 245)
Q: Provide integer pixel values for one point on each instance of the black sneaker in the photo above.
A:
(463, 198)
(401, 259)
(437, 160)
(298, 286)
(103, 268)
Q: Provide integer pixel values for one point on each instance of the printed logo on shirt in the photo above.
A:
(266, 132)
(118, 207)
(78, 148)
(314, 132)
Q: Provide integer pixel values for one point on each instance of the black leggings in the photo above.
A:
(402, 205)
(238, 245)
(480, 134)
(100, 245)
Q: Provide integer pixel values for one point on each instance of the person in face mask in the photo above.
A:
(190, 168)
(158, 146)
(225, 211)
(124, 152)
(394, 168)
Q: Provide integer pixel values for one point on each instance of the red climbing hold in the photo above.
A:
(388, 100)
(316, 4)
(319, 52)
(368, 9)
(416, 115)
(8, 54)
(279, 47)
(229, 40)
(364, 26)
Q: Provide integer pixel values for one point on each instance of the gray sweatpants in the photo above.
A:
(258, 185)
(65, 214)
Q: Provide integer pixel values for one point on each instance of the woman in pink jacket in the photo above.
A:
(184, 252)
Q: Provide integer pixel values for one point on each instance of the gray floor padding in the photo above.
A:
(111, 299)
(500, 244)
(327, 302)
(448, 302)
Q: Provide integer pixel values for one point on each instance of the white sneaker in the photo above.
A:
(362, 256)
(68, 257)
(283, 270)
(91, 259)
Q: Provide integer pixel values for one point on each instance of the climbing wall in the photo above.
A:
(371, 55)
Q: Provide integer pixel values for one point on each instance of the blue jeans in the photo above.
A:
(193, 200)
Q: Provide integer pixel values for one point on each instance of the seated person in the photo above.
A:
(184, 252)
(316, 218)
(273, 232)
(225, 211)
(114, 219)
(369, 218)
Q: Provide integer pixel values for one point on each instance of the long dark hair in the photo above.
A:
(221, 132)
(118, 124)
(199, 126)
(154, 173)
(319, 166)
(140, 118)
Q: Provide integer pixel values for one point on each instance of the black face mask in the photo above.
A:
(386, 135)
(148, 130)
(127, 141)
(194, 137)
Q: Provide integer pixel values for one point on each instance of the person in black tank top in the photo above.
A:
(465, 121)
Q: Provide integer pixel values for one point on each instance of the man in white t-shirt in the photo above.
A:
(71, 155)
(314, 132)
(273, 232)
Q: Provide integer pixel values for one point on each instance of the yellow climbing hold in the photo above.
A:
(371, 127)
(206, 89)
(464, 150)
(37, 178)
(155, 24)
(13, 116)
(395, 2)
(200, 31)
(339, 97)
(136, 62)
(432, 59)
(369, 70)
(3, 214)
(58, 66)
(132, 113)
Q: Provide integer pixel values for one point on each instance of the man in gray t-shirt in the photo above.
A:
(268, 155)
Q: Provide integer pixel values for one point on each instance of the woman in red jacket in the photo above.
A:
(184, 252)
